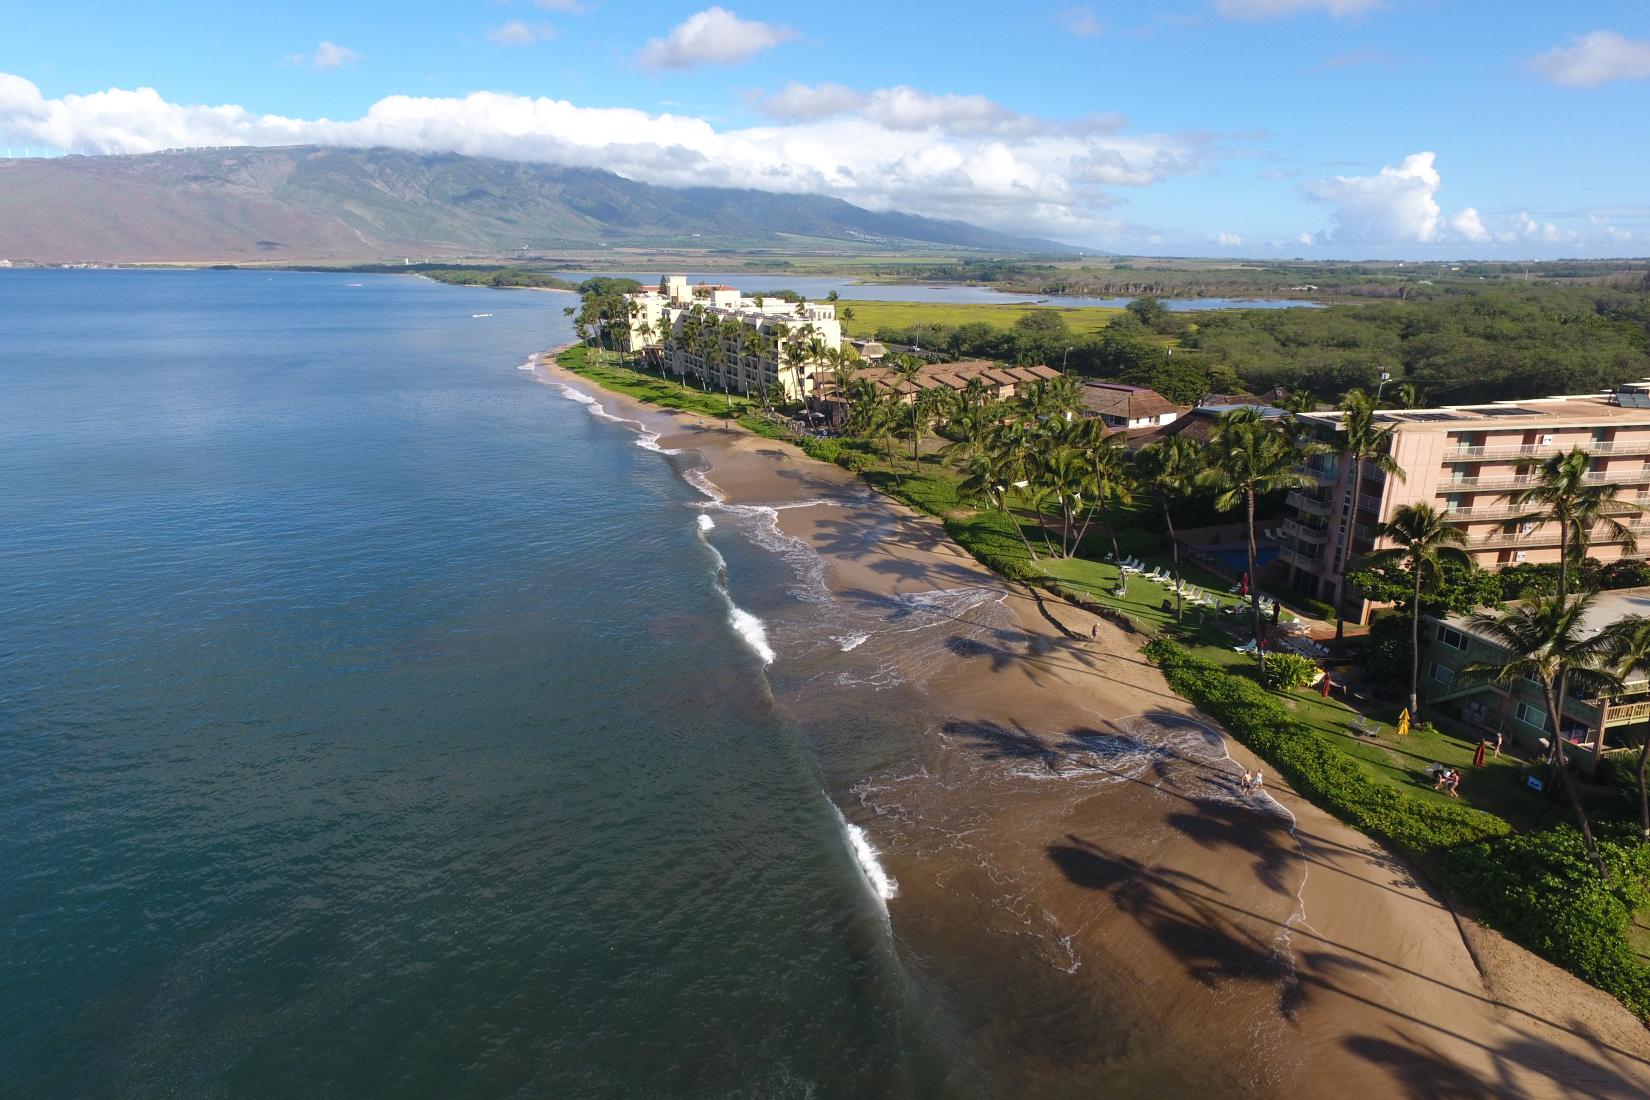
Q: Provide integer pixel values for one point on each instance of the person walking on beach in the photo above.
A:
(1258, 782)
(1247, 782)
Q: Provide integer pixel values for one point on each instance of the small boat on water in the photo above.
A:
(354, 284)
(481, 315)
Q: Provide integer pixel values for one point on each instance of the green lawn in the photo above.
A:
(871, 316)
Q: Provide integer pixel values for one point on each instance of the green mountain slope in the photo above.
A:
(307, 203)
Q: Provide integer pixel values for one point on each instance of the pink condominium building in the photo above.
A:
(1463, 460)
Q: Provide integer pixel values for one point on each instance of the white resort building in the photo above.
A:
(733, 342)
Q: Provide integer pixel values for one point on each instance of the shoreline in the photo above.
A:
(1253, 956)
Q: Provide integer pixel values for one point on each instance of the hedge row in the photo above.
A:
(1317, 769)
(1543, 891)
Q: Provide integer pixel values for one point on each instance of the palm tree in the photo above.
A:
(1562, 494)
(988, 474)
(1362, 442)
(1248, 459)
(907, 367)
(1630, 652)
(1171, 467)
(925, 410)
(1424, 539)
(1110, 476)
(1546, 640)
(751, 345)
(1406, 396)
(974, 416)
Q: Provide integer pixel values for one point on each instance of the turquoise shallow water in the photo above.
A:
(371, 723)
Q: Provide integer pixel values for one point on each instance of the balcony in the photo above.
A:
(1322, 477)
(1290, 556)
(1541, 450)
(1638, 476)
(1301, 531)
(1626, 713)
(1310, 505)
(1498, 511)
(1547, 535)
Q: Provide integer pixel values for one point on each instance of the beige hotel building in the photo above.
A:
(1463, 460)
(658, 320)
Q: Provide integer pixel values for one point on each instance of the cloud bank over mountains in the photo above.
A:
(895, 148)
(957, 156)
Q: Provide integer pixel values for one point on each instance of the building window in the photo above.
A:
(1532, 716)
(1451, 637)
(1443, 674)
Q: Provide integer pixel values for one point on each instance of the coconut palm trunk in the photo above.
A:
(1254, 583)
(1174, 557)
(1346, 555)
(1554, 703)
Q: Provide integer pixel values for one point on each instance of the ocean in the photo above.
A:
(376, 721)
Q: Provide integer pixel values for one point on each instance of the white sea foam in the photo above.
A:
(705, 522)
(852, 641)
(865, 854)
(750, 628)
(574, 394)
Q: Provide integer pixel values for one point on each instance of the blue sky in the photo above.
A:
(1323, 128)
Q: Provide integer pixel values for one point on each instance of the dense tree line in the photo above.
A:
(1505, 342)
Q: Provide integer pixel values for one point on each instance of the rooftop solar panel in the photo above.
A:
(1432, 417)
(1504, 411)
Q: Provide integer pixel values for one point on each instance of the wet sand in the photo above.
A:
(1081, 879)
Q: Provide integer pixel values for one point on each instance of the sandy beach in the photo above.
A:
(1073, 850)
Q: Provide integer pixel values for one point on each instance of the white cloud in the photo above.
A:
(1394, 205)
(714, 36)
(1526, 228)
(327, 56)
(1048, 179)
(906, 108)
(1273, 9)
(807, 102)
(1228, 240)
(1080, 21)
(567, 7)
(1593, 59)
(519, 33)
(909, 109)
(1304, 238)
(1468, 226)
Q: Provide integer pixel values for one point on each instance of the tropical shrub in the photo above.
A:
(1387, 650)
(1286, 671)
(1319, 770)
(1318, 609)
(1543, 891)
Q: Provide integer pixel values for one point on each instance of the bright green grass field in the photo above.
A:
(870, 316)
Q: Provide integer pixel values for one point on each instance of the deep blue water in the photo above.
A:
(371, 723)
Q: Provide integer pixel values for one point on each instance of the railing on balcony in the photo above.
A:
(1520, 481)
(1322, 477)
(1503, 511)
(1292, 556)
(1547, 535)
(1308, 504)
(1536, 450)
(1623, 713)
(1301, 531)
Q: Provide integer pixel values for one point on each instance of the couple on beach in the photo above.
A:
(1253, 781)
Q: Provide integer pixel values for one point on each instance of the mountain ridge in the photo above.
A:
(311, 203)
